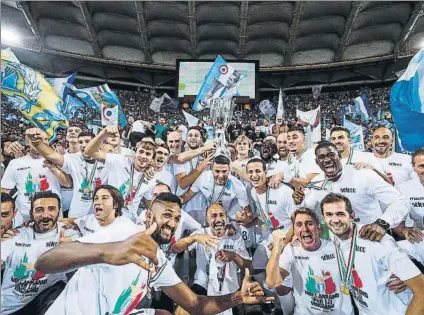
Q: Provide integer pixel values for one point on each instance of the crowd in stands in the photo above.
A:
(159, 218)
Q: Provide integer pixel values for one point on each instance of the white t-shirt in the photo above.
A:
(210, 274)
(413, 190)
(374, 264)
(111, 289)
(197, 205)
(366, 190)
(365, 157)
(88, 224)
(125, 151)
(119, 169)
(138, 126)
(316, 280)
(29, 176)
(233, 192)
(399, 166)
(415, 251)
(304, 165)
(22, 283)
(85, 180)
(279, 206)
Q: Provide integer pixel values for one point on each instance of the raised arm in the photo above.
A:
(416, 285)
(93, 149)
(35, 136)
(70, 256)
(186, 180)
(250, 293)
(205, 240)
(191, 154)
(274, 274)
(63, 178)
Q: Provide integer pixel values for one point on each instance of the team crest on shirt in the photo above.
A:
(27, 280)
(33, 185)
(130, 297)
(322, 290)
(86, 190)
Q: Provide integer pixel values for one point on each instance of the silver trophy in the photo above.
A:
(221, 111)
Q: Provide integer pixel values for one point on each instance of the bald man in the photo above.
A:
(397, 166)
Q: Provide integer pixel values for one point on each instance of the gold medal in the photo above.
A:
(344, 290)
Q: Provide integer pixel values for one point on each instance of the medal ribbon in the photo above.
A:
(264, 214)
(130, 187)
(349, 159)
(346, 269)
(220, 194)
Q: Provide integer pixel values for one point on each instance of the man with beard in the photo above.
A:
(414, 193)
(340, 137)
(218, 256)
(188, 173)
(129, 263)
(279, 127)
(26, 290)
(218, 186)
(32, 173)
(366, 189)
(303, 165)
(397, 166)
(9, 215)
(86, 172)
(186, 221)
(130, 175)
(365, 267)
(257, 138)
(311, 268)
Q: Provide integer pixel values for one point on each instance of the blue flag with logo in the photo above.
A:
(407, 104)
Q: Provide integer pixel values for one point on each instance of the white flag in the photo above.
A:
(192, 120)
(267, 108)
(157, 102)
(109, 115)
(312, 118)
(280, 108)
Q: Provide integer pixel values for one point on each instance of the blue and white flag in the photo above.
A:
(407, 104)
(356, 135)
(361, 102)
(222, 81)
(98, 98)
(61, 86)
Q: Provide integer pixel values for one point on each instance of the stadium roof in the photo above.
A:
(297, 43)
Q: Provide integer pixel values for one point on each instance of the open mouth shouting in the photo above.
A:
(307, 238)
(330, 168)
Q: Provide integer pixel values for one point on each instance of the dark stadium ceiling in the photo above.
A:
(297, 43)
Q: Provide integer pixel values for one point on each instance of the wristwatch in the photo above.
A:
(383, 224)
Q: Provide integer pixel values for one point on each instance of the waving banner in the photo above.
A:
(356, 135)
(407, 104)
(29, 92)
(222, 81)
(312, 118)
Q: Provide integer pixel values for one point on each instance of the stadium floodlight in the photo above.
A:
(9, 36)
